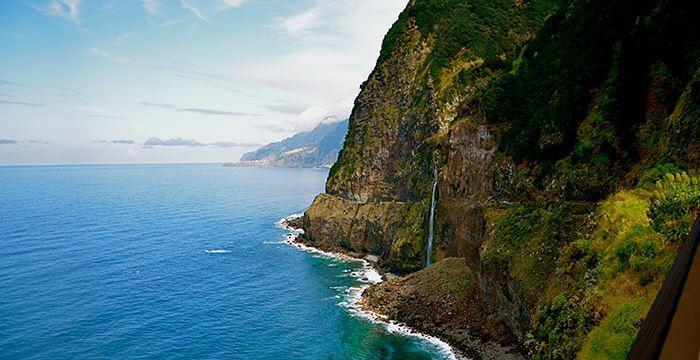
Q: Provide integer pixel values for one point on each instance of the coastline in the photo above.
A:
(368, 275)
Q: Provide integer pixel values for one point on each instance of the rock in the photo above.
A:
(416, 300)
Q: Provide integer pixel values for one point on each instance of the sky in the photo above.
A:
(177, 81)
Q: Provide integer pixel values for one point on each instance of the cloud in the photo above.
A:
(21, 103)
(311, 116)
(154, 141)
(151, 6)
(65, 9)
(105, 55)
(118, 141)
(198, 13)
(228, 144)
(286, 108)
(96, 112)
(6, 83)
(335, 46)
(197, 110)
(231, 3)
(119, 40)
(225, 82)
(12, 141)
(302, 24)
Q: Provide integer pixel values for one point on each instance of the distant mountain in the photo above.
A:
(316, 148)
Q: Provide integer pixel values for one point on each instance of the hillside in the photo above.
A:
(316, 148)
(563, 137)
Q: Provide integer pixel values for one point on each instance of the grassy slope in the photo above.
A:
(606, 276)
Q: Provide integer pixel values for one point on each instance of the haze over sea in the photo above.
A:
(172, 261)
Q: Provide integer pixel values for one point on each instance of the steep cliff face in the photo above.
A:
(565, 151)
(433, 60)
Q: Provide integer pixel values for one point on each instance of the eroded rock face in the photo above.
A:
(464, 189)
(393, 231)
(387, 130)
(503, 301)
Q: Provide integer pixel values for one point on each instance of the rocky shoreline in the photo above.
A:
(363, 305)
(427, 302)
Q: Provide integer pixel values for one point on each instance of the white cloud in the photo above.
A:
(311, 116)
(151, 6)
(67, 9)
(93, 111)
(155, 141)
(201, 111)
(302, 24)
(196, 11)
(105, 55)
(231, 3)
(335, 46)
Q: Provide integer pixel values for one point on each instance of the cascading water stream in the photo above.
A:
(431, 226)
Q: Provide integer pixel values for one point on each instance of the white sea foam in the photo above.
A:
(217, 251)
(367, 275)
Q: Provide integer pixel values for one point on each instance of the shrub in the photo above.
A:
(676, 201)
(614, 337)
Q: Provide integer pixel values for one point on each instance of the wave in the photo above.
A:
(367, 276)
(217, 251)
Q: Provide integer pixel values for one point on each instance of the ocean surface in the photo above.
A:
(173, 261)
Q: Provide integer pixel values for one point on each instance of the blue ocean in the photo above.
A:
(173, 261)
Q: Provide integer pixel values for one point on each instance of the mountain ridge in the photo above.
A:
(318, 147)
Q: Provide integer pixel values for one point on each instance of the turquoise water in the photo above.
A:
(112, 261)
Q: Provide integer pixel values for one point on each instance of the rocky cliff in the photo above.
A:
(564, 138)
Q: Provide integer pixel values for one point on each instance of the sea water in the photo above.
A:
(174, 261)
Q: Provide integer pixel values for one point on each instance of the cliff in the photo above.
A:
(316, 148)
(564, 139)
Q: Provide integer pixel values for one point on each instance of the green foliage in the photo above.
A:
(639, 252)
(580, 91)
(559, 328)
(676, 205)
(530, 238)
(656, 173)
(484, 27)
(409, 244)
(604, 281)
(547, 98)
(615, 335)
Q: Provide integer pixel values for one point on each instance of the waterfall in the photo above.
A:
(431, 226)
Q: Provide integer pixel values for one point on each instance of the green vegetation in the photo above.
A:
(606, 279)
(592, 273)
(615, 335)
(656, 173)
(528, 238)
(409, 246)
(592, 93)
(676, 204)
(487, 29)
(560, 327)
